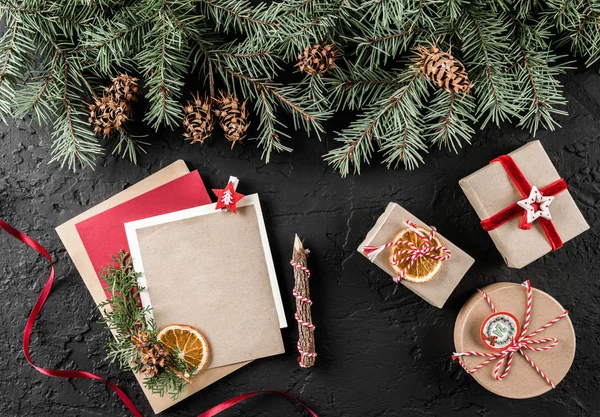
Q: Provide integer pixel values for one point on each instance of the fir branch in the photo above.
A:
(536, 71)
(269, 136)
(357, 87)
(129, 147)
(387, 13)
(579, 22)
(448, 120)
(375, 50)
(8, 77)
(74, 144)
(240, 16)
(305, 23)
(483, 35)
(256, 59)
(271, 97)
(114, 45)
(394, 123)
(164, 59)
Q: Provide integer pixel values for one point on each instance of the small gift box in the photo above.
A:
(415, 255)
(524, 205)
(516, 341)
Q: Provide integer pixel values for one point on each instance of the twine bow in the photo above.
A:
(520, 344)
(413, 252)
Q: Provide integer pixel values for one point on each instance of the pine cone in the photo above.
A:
(234, 118)
(108, 115)
(317, 59)
(153, 360)
(443, 70)
(198, 121)
(123, 88)
(142, 340)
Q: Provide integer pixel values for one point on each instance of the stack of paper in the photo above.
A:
(209, 269)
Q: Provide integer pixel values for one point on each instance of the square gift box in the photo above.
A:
(501, 192)
(435, 291)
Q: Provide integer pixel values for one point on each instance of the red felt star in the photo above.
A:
(227, 198)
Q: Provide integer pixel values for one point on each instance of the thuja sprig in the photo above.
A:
(135, 345)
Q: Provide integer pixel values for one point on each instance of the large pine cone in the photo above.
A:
(123, 88)
(443, 70)
(198, 121)
(107, 115)
(317, 59)
(234, 118)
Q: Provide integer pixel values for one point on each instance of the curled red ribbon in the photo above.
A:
(58, 373)
(514, 210)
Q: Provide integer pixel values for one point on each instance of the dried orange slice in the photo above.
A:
(424, 268)
(186, 343)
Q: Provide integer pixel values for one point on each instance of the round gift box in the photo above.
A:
(522, 381)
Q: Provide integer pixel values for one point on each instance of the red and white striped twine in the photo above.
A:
(298, 319)
(523, 342)
(413, 252)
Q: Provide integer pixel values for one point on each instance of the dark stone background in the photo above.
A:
(382, 350)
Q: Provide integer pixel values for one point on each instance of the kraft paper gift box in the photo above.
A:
(440, 287)
(522, 380)
(491, 190)
(73, 243)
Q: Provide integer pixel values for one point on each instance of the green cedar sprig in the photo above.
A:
(126, 317)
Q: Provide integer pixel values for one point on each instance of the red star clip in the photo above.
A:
(227, 197)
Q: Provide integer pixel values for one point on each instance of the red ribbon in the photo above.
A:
(57, 373)
(514, 210)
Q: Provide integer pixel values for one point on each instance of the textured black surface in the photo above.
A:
(382, 350)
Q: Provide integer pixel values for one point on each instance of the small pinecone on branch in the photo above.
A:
(234, 118)
(199, 120)
(108, 115)
(442, 69)
(317, 59)
(123, 87)
(153, 360)
(142, 340)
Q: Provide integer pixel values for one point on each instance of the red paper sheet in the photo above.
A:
(104, 234)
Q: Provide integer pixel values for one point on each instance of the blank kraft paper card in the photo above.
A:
(212, 270)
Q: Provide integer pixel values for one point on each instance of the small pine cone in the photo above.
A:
(234, 118)
(123, 88)
(198, 121)
(153, 360)
(317, 59)
(107, 115)
(443, 70)
(142, 340)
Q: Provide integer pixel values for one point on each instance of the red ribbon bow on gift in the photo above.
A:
(534, 206)
(523, 342)
(413, 252)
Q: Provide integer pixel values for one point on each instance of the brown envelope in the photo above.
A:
(72, 242)
(436, 291)
(490, 190)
